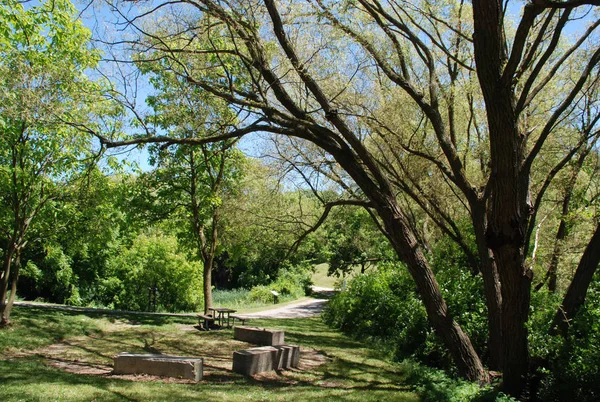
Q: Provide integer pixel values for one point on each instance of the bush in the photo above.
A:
(294, 280)
(261, 294)
(434, 385)
(152, 275)
(383, 305)
(569, 367)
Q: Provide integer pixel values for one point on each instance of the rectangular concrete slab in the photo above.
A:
(265, 358)
(288, 356)
(259, 336)
(168, 366)
(255, 360)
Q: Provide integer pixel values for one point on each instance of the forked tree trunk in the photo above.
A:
(508, 205)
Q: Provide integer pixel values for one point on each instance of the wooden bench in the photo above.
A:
(240, 318)
(206, 321)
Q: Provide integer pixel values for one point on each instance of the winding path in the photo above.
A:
(306, 308)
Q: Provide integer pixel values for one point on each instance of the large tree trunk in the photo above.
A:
(492, 289)
(507, 218)
(407, 248)
(575, 295)
(508, 206)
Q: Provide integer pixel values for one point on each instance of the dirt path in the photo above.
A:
(305, 308)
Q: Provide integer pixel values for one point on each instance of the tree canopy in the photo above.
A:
(474, 123)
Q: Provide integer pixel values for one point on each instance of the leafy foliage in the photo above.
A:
(567, 367)
(383, 305)
(152, 275)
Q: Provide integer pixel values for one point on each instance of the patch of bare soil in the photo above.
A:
(311, 358)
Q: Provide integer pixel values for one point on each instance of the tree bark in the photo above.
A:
(491, 286)
(406, 246)
(209, 258)
(508, 205)
(575, 296)
(13, 287)
(5, 305)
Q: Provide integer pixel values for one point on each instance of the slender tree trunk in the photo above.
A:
(575, 296)
(6, 305)
(13, 287)
(209, 258)
(207, 287)
(407, 248)
(552, 273)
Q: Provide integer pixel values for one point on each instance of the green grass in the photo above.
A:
(42, 342)
(321, 279)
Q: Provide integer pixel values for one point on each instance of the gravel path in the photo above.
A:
(305, 308)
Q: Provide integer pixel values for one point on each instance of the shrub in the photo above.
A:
(152, 275)
(569, 367)
(383, 305)
(294, 280)
(434, 385)
(261, 294)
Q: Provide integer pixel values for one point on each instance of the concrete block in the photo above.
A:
(259, 336)
(256, 360)
(265, 358)
(288, 356)
(168, 366)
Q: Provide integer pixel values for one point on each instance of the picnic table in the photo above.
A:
(220, 313)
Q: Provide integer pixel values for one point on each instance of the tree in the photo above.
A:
(45, 95)
(192, 180)
(419, 59)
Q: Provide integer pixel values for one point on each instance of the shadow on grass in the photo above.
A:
(349, 366)
(132, 317)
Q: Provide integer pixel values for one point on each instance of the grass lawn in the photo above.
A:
(321, 279)
(57, 355)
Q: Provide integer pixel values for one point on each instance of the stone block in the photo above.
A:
(259, 336)
(288, 356)
(265, 358)
(168, 366)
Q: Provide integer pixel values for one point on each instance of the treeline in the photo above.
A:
(112, 241)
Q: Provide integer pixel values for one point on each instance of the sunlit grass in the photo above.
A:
(321, 279)
(32, 350)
